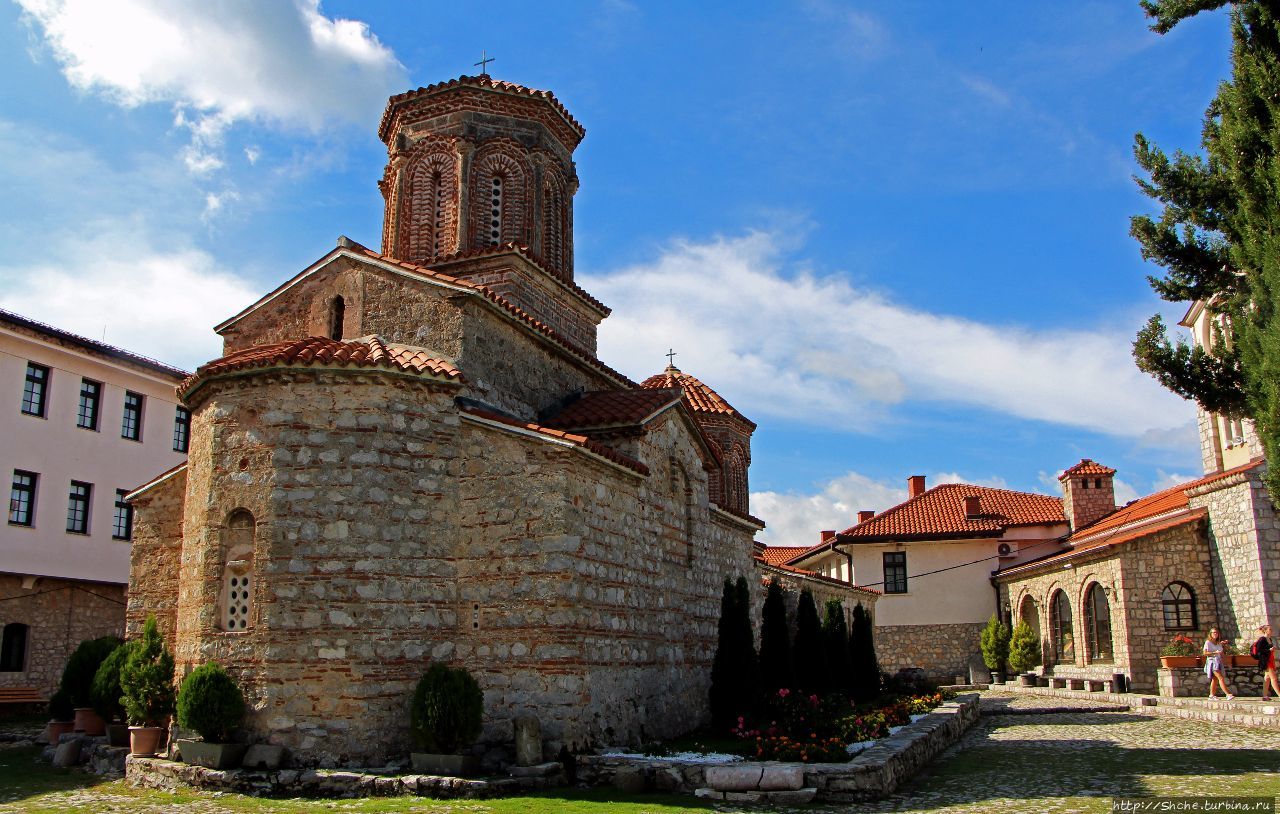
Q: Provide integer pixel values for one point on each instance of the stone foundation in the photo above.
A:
(942, 651)
(1191, 682)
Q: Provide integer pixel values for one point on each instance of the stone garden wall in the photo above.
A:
(942, 651)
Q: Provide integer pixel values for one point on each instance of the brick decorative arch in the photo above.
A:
(431, 210)
(507, 161)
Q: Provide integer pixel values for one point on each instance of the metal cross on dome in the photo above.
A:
(485, 59)
(671, 355)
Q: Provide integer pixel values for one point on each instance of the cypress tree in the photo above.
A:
(749, 680)
(862, 657)
(836, 635)
(1218, 232)
(775, 642)
(723, 692)
(809, 654)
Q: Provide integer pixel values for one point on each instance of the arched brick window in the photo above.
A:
(1097, 625)
(499, 198)
(13, 648)
(1029, 613)
(555, 219)
(1064, 642)
(236, 603)
(433, 185)
(682, 503)
(736, 479)
(1179, 605)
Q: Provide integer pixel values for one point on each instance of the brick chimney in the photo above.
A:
(915, 486)
(1088, 492)
(865, 515)
(972, 507)
(825, 536)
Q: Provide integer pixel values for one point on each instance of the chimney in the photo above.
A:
(915, 486)
(972, 507)
(865, 515)
(825, 536)
(1088, 493)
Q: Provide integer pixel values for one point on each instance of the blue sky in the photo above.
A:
(895, 237)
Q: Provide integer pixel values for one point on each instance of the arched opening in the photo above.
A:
(13, 648)
(495, 210)
(337, 316)
(237, 572)
(1029, 613)
(1179, 605)
(1064, 643)
(682, 503)
(1097, 625)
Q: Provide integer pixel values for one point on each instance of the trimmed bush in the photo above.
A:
(105, 692)
(746, 635)
(1024, 648)
(862, 657)
(995, 644)
(775, 642)
(446, 712)
(210, 702)
(60, 706)
(733, 670)
(836, 635)
(77, 676)
(809, 655)
(146, 680)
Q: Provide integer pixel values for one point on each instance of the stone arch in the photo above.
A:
(1178, 606)
(13, 647)
(682, 502)
(430, 227)
(557, 251)
(1061, 627)
(337, 317)
(1099, 647)
(499, 192)
(239, 584)
(736, 478)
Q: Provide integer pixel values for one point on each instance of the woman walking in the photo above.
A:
(1266, 656)
(1213, 647)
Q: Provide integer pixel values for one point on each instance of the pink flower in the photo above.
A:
(784, 692)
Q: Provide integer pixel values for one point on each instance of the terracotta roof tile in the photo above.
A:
(814, 575)
(699, 397)
(1087, 466)
(1118, 536)
(367, 352)
(779, 554)
(582, 441)
(482, 81)
(612, 408)
(940, 512)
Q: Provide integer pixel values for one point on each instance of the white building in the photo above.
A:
(82, 423)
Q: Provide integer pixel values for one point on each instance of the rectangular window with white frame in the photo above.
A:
(35, 389)
(78, 507)
(895, 572)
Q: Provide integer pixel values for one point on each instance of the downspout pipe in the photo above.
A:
(848, 556)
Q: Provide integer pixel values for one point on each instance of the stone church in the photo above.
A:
(415, 454)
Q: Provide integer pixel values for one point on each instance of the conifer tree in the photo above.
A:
(809, 654)
(750, 680)
(775, 642)
(862, 656)
(1218, 232)
(733, 671)
(836, 635)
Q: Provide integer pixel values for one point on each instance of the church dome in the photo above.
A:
(698, 396)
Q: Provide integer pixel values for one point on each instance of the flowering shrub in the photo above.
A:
(921, 704)
(1181, 645)
(811, 749)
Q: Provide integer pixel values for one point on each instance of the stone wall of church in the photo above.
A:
(154, 556)
(59, 614)
(943, 651)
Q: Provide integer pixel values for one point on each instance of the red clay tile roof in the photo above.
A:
(92, 345)
(779, 554)
(699, 397)
(813, 575)
(613, 408)
(319, 351)
(582, 441)
(524, 252)
(1087, 466)
(482, 81)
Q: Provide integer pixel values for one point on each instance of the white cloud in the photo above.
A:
(1168, 480)
(283, 64)
(855, 33)
(158, 301)
(1124, 492)
(794, 345)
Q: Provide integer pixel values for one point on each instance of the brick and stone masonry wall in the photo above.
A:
(943, 651)
(59, 614)
(154, 555)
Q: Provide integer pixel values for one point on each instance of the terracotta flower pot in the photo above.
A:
(145, 740)
(57, 729)
(1240, 660)
(89, 722)
(1180, 661)
(212, 755)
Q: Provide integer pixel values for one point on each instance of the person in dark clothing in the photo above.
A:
(1266, 655)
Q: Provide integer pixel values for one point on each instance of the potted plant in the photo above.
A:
(210, 703)
(444, 719)
(1181, 651)
(1024, 653)
(146, 681)
(105, 694)
(77, 680)
(61, 715)
(995, 648)
(1231, 658)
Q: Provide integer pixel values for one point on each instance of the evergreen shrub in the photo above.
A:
(60, 707)
(995, 644)
(809, 654)
(836, 636)
(862, 657)
(210, 702)
(146, 680)
(77, 676)
(776, 671)
(105, 692)
(1024, 648)
(446, 712)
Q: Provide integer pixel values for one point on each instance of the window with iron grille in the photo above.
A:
(122, 523)
(90, 396)
(181, 429)
(131, 424)
(895, 572)
(22, 498)
(33, 391)
(78, 507)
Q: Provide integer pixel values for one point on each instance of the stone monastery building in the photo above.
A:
(414, 454)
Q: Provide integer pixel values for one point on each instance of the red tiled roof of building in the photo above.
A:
(940, 513)
(482, 81)
(613, 408)
(527, 254)
(1117, 536)
(779, 554)
(319, 351)
(582, 441)
(699, 397)
(1087, 466)
(791, 569)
